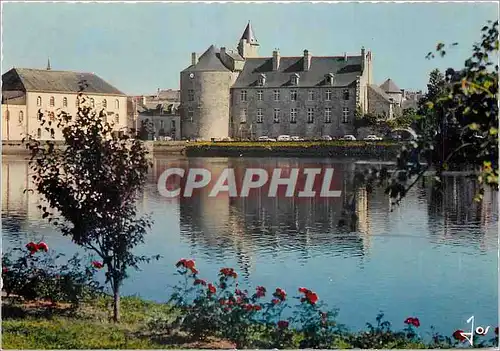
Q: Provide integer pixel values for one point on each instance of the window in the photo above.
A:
(328, 115)
(39, 133)
(190, 95)
(259, 115)
(293, 115)
(293, 95)
(39, 101)
(117, 104)
(276, 115)
(52, 116)
(276, 94)
(243, 115)
(52, 101)
(243, 95)
(104, 103)
(311, 95)
(21, 116)
(328, 95)
(259, 95)
(310, 115)
(117, 119)
(345, 93)
(172, 124)
(262, 80)
(65, 102)
(329, 79)
(161, 124)
(190, 114)
(295, 79)
(345, 115)
(92, 104)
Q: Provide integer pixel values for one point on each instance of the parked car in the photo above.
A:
(372, 138)
(263, 138)
(348, 137)
(326, 138)
(296, 138)
(284, 138)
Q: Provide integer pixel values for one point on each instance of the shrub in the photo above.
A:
(34, 274)
(246, 318)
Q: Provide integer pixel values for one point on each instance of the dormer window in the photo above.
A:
(329, 79)
(295, 79)
(262, 80)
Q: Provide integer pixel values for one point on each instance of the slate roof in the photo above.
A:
(55, 81)
(249, 35)
(390, 87)
(209, 61)
(345, 72)
(377, 90)
(235, 56)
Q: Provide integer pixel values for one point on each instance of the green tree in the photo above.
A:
(91, 185)
(458, 122)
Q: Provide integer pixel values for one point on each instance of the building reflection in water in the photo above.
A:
(222, 226)
(259, 223)
(453, 213)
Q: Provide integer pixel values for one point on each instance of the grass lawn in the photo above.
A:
(34, 326)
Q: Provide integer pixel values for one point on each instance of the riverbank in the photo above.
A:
(335, 149)
(381, 151)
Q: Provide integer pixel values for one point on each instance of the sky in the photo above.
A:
(139, 48)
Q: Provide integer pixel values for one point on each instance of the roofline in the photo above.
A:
(291, 87)
(74, 92)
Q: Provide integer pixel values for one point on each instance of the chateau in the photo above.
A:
(241, 94)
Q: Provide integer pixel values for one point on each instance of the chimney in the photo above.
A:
(345, 56)
(194, 59)
(363, 58)
(276, 60)
(307, 60)
(222, 52)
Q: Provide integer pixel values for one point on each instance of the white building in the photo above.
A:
(27, 91)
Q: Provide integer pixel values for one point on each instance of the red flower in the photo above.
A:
(43, 246)
(200, 282)
(458, 335)
(413, 321)
(261, 291)
(32, 247)
(304, 290)
(228, 272)
(97, 264)
(222, 301)
(257, 308)
(283, 324)
(311, 297)
(275, 301)
(211, 289)
(280, 294)
(189, 264)
(194, 271)
(5, 270)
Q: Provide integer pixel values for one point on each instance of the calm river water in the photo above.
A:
(434, 257)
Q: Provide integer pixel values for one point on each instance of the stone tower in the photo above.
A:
(205, 95)
(248, 46)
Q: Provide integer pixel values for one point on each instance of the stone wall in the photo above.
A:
(301, 128)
